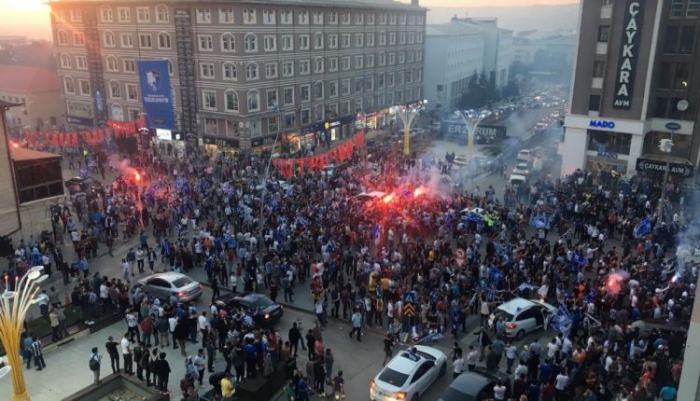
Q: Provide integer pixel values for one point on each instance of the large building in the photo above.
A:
(453, 53)
(528, 45)
(498, 47)
(243, 71)
(38, 91)
(634, 84)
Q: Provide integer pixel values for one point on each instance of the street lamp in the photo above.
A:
(407, 114)
(13, 309)
(471, 119)
(666, 146)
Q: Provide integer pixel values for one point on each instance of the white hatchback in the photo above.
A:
(522, 316)
(408, 375)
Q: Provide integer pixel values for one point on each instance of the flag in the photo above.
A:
(561, 320)
(643, 228)
(302, 221)
(376, 231)
(539, 222)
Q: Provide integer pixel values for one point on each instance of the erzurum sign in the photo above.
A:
(629, 52)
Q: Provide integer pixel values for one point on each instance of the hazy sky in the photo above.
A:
(31, 18)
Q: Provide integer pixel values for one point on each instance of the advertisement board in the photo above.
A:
(156, 95)
(455, 129)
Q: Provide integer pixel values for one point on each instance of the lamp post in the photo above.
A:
(13, 309)
(471, 120)
(407, 114)
(666, 146)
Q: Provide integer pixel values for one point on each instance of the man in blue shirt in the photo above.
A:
(668, 393)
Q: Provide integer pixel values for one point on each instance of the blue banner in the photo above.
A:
(156, 95)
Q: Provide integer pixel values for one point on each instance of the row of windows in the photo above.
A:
(687, 8)
(319, 65)
(250, 16)
(15, 99)
(227, 41)
(317, 113)
(145, 40)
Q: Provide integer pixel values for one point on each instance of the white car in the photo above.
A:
(408, 375)
(524, 155)
(521, 169)
(522, 316)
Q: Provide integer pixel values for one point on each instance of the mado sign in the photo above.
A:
(602, 124)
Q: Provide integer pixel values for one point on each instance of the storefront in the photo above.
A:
(310, 136)
(213, 145)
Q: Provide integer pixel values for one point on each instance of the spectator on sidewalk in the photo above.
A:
(95, 365)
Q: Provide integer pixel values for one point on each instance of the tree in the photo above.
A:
(510, 90)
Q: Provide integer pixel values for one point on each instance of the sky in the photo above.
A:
(31, 17)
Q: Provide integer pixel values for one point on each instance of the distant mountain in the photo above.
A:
(519, 18)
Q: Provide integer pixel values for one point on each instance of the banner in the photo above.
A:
(156, 95)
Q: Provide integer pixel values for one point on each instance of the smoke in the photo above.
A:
(123, 166)
(616, 281)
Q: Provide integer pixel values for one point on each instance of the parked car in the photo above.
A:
(265, 311)
(408, 375)
(80, 184)
(164, 285)
(524, 155)
(522, 316)
(475, 385)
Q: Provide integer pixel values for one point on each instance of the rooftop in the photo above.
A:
(451, 29)
(338, 3)
(24, 154)
(23, 79)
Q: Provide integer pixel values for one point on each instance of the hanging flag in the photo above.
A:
(561, 321)
(643, 228)
(376, 232)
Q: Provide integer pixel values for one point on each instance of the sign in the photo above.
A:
(409, 310)
(80, 121)
(602, 124)
(484, 133)
(653, 166)
(155, 93)
(673, 126)
(222, 142)
(164, 134)
(609, 155)
(629, 52)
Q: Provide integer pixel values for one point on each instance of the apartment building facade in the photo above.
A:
(243, 72)
(38, 91)
(635, 84)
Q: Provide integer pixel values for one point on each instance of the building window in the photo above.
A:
(419, 37)
(229, 72)
(610, 142)
(370, 39)
(143, 14)
(303, 42)
(164, 40)
(253, 101)
(390, 79)
(402, 57)
(226, 15)
(76, 16)
(115, 91)
(249, 16)
(318, 90)
(127, 40)
(231, 101)
(358, 105)
(112, 64)
(78, 39)
(319, 112)
(289, 120)
(287, 42)
(594, 103)
(162, 13)
(693, 9)
(333, 89)
(272, 100)
(392, 58)
(84, 87)
(359, 39)
(204, 16)
(251, 71)
(382, 19)
(402, 38)
(288, 96)
(345, 87)
(603, 33)
(345, 40)
(687, 38)
(359, 61)
(68, 85)
(380, 81)
(132, 92)
(209, 100)
(305, 93)
(333, 41)
(676, 8)
(665, 76)
(333, 18)
(106, 14)
(228, 43)
(359, 18)
(62, 38)
(270, 70)
(318, 17)
(305, 116)
(346, 63)
(205, 43)
(286, 17)
(270, 43)
(333, 64)
(269, 17)
(130, 66)
(661, 108)
(304, 67)
(124, 14)
(681, 77)
(671, 39)
(392, 38)
(273, 124)
(359, 84)
(211, 126)
(288, 68)
(66, 61)
(318, 41)
(402, 19)
(145, 41)
(81, 62)
(382, 59)
(206, 70)
(232, 129)
(345, 18)
(392, 19)
(318, 65)
(250, 43)
(303, 17)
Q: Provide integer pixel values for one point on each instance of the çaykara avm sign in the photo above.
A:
(156, 95)
(629, 52)
(654, 166)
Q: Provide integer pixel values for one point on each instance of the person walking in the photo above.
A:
(388, 348)
(95, 364)
(37, 351)
(113, 352)
(457, 365)
(200, 363)
(329, 360)
(357, 325)
(126, 354)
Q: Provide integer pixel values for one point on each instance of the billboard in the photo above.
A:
(156, 95)
(455, 129)
(629, 52)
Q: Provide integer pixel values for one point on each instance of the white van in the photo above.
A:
(524, 155)
(517, 179)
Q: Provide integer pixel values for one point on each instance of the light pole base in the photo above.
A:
(21, 397)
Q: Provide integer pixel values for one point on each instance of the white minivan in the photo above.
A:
(524, 155)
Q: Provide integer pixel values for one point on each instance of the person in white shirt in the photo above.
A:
(552, 348)
(521, 369)
(511, 354)
(499, 391)
(457, 366)
(566, 346)
(126, 354)
(561, 381)
(472, 357)
(203, 326)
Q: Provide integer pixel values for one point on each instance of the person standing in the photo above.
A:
(126, 354)
(132, 323)
(357, 325)
(113, 352)
(95, 364)
(162, 371)
(388, 348)
(140, 256)
(329, 360)
(511, 354)
(203, 325)
(294, 338)
(37, 351)
(163, 329)
(200, 363)
(457, 365)
(147, 364)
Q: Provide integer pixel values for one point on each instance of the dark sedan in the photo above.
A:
(475, 385)
(265, 311)
(80, 184)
